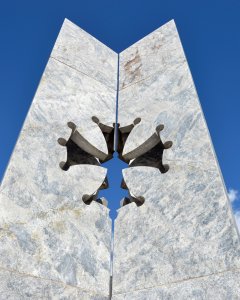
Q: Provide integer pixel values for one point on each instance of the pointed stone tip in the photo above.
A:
(67, 21)
(171, 23)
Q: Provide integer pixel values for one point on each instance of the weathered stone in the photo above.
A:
(185, 228)
(17, 286)
(49, 236)
(156, 52)
(222, 286)
(81, 51)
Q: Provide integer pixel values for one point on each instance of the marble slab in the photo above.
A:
(66, 95)
(170, 99)
(46, 231)
(63, 96)
(66, 245)
(184, 229)
(16, 286)
(162, 52)
(81, 51)
(222, 286)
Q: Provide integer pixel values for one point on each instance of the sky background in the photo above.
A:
(210, 33)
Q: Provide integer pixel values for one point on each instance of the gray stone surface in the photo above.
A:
(81, 51)
(164, 94)
(222, 286)
(155, 102)
(16, 286)
(63, 96)
(156, 52)
(49, 238)
(68, 245)
(185, 228)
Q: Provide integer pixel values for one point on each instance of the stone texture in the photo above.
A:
(185, 228)
(165, 94)
(182, 243)
(222, 286)
(16, 286)
(63, 96)
(155, 102)
(156, 52)
(67, 245)
(83, 52)
(49, 238)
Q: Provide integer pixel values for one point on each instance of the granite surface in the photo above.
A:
(81, 51)
(185, 228)
(53, 245)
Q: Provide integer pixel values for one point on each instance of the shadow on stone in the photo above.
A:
(139, 200)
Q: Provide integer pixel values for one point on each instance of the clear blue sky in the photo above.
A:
(209, 30)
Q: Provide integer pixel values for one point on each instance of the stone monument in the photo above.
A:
(175, 236)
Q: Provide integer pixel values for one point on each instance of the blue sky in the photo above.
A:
(210, 33)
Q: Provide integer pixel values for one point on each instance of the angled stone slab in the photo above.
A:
(185, 228)
(164, 95)
(67, 95)
(47, 232)
(81, 51)
(38, 154)
(180, 114)
(139, 62)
